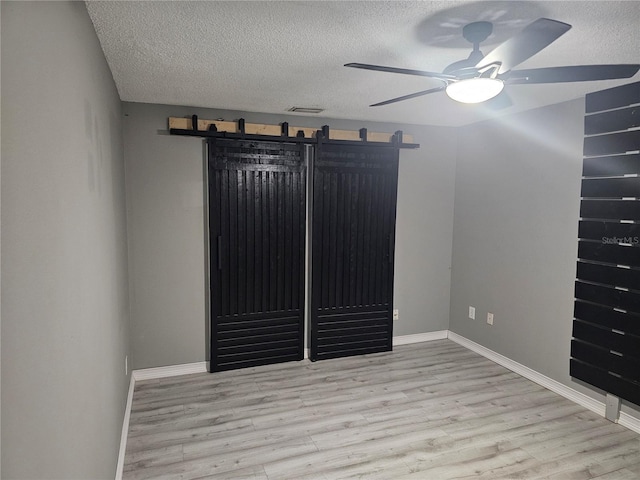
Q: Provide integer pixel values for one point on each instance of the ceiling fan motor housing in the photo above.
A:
(475, 33)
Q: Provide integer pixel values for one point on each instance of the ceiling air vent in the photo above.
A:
(306, 110)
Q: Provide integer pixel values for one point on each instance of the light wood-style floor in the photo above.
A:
(432, 410)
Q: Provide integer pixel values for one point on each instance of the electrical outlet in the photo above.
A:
(126, 365)
(396, 314)
(472, 313)
(490, 318)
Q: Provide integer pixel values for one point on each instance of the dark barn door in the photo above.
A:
(257, 214)
(354, 212)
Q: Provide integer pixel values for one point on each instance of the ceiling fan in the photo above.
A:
(480, 77)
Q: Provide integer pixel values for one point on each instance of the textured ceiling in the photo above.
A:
(270, 56)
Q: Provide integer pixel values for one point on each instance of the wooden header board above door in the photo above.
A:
(179, 123)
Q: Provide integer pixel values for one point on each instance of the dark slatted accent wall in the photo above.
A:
(257, 213)
(605, 350)
(354, 211)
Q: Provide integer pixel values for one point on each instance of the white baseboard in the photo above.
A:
(632, 423)
(626, 420)
(125, 429)
(526, 372)
(420, 337)
(169, 371)
(148, 374)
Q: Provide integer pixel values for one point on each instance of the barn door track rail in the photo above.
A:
(194, 127)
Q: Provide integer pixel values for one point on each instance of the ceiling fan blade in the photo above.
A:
(405, 71)
(525, 44)
(407, 97)
(578, 73)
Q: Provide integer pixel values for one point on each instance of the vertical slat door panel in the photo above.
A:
(257, 214)
(354, 211)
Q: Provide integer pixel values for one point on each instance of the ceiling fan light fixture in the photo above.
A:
(474, 90)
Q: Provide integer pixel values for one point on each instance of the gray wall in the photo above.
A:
(65, 309)
(64, 277)
(166, 229)
(517, 199)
